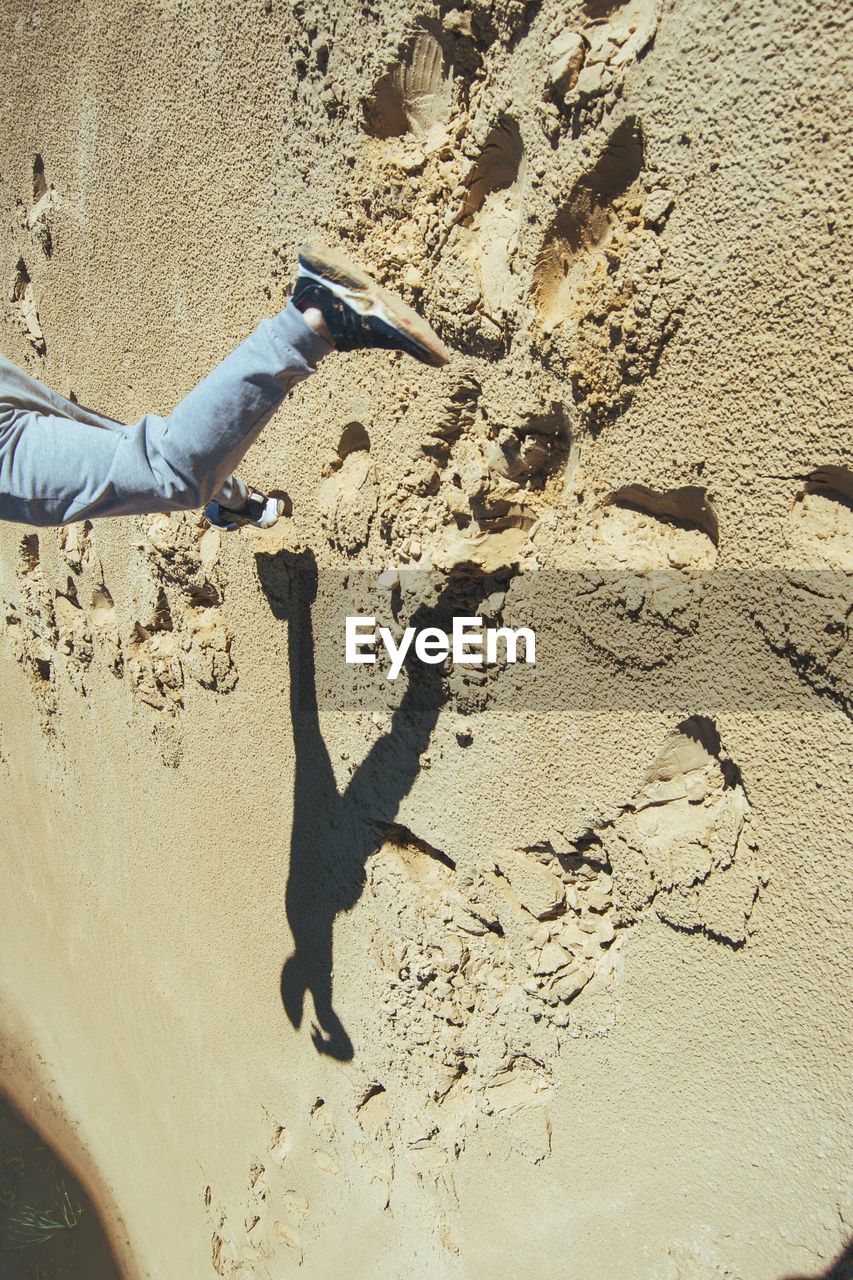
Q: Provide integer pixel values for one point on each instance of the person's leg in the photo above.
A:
(59, 462)
(335, 305)
(195, 451)
(55, 469)
(234, 492)
(51, 463)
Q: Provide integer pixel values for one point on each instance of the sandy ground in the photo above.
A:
(538, 970)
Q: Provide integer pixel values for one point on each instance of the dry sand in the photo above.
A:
(564, 953)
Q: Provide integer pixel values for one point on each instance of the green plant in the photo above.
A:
(29, 1226)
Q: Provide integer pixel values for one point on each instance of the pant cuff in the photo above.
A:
(290, 326)
(233, 493)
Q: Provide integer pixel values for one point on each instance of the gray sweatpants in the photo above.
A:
(60, 462)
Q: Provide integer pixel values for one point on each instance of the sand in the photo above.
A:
(521, 971)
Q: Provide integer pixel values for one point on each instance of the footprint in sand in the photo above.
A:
(524, 453)
(572, 252)
(807, 620)
(102, 610)
(479, 250)
(348, 498)
(290, 1238)
(644, 554)
(373, 1153)
(282, 1144)
(22, 296)
(603, 316)
(296, 1205)
(32, 249)
(40, 216)
(75, 541)
(415, 96)
(325, 1132)
(682, 847)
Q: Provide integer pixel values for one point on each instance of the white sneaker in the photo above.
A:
(258, 510)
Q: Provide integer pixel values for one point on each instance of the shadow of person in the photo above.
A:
(335, 833)
(840, 1269)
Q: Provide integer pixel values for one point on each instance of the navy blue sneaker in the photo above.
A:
(358, 311)
(257, 510)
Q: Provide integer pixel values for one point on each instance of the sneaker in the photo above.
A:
(358, 311)
(257, 510)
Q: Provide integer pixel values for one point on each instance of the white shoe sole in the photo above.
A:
(272, 512)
